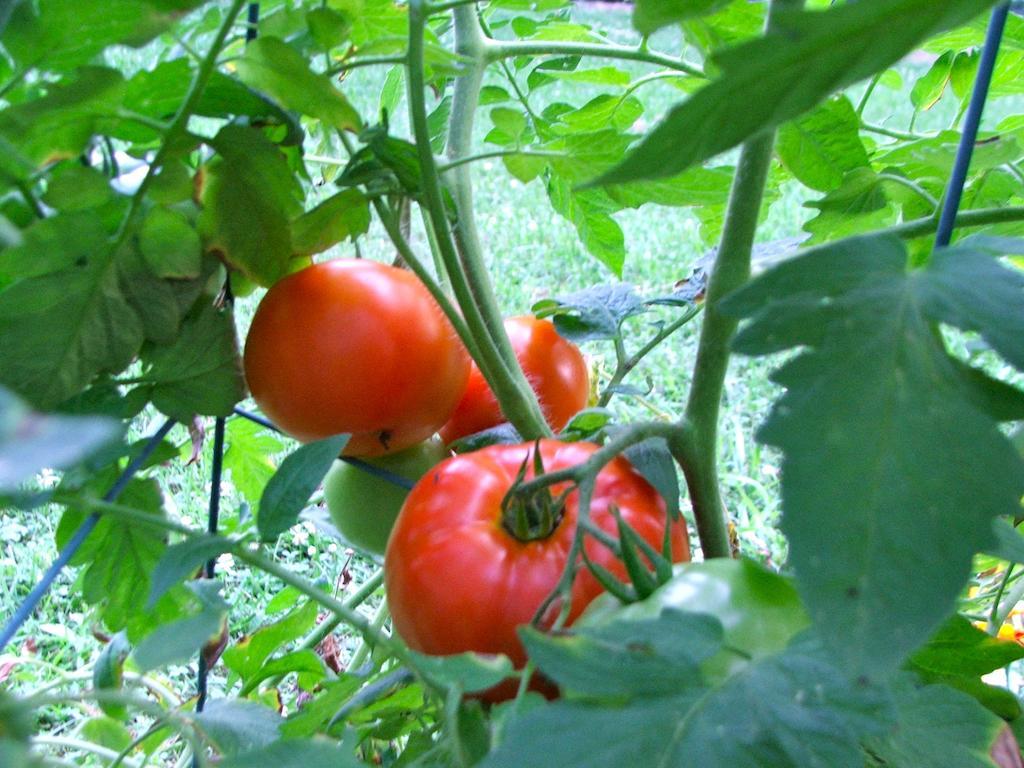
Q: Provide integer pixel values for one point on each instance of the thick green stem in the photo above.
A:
(518, 402)
(732, 269)
(470, 44)
(507, 50)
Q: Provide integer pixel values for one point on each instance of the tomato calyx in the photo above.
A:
(534, 514)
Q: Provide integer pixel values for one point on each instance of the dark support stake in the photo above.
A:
(972, 123)
(212, 524)
(254, 20)
(29, 604)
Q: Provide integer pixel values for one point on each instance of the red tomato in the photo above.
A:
(554, 367)
(458, 581)
(355, 346)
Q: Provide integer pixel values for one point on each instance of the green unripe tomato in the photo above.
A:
(760, 610)
(364, 506)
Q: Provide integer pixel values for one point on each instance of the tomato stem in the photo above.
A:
(470, 44)
(518, 402)
(731, 270)
(533, 516)
(508, 50)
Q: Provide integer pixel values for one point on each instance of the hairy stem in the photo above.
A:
(470, 43)
(518, 402)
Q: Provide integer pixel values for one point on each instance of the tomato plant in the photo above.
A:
(675, 186)
(354, 346)
(461, 577)
(553, 366)
(364, 506)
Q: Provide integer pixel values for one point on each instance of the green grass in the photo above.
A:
(533, 253)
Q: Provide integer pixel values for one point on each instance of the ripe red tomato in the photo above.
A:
(554, 367)
(458, 581)
(355, 346)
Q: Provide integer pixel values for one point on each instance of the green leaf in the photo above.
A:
(859, 204)
(651, 657)
(181, 640)
(930, 86)
(106, 732)
(271, 65)
(1009, 542)
(108, 672)
(296, 753)
(471, 672)
(333, 695)
(652, 459)
(249, 196)
(182, 561)
(247, 457)
(933, 157)
(249, 655)
(767, 81)
(200, 373)
(593, 313)
(160, 304)
(870, 404)
(58, 125)
(960, 648)
(341, 216)
(791, 711)
(305, 664)
(170, 245)
(30, 442)
(596, 76)
(328, 27)
(590, 211)
(237, 727)
(55, 35)
(960, 654)
(158, 93)
(651, 15)
(74, 187)
(118, 585)
(822, 146)
(938, 727)
(695, 187)
(393, 90)
(601, 112)
(294, 482)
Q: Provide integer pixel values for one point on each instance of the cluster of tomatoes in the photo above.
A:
(359, 347)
